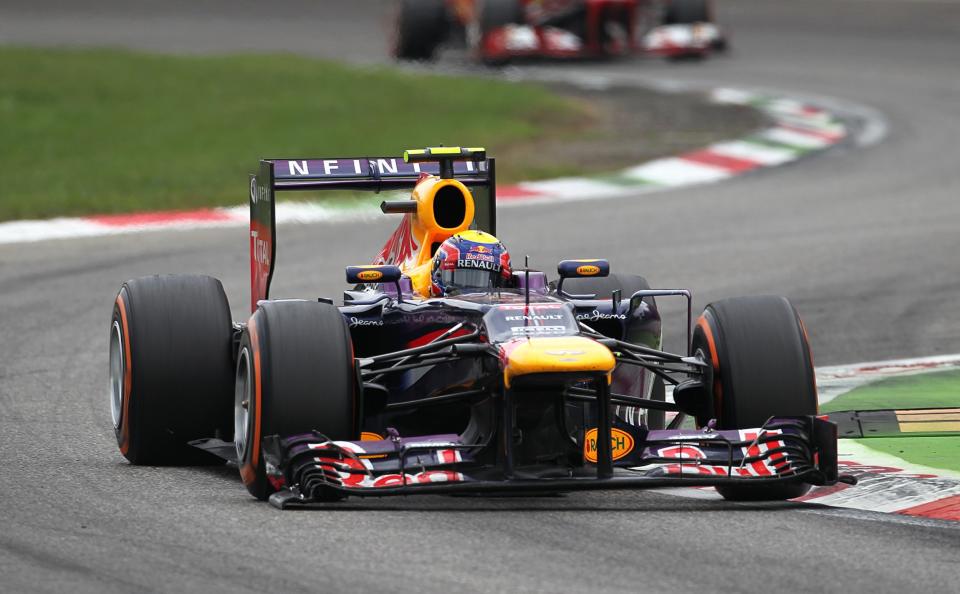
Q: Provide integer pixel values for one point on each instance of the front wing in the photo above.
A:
(310, 468)
(671, 41)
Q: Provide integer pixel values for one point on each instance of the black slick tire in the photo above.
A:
(628, 284)
(604, 286)
(295, 374)
(494, 14)
(686, 12)
(656, 419)
(762, 368)
(171, 367)
(421, 27)
(500, 13)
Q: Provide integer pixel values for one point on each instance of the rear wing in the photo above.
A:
(375, 174)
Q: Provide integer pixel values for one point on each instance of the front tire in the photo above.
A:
(687, 12)
(421, 27)
(170, 367)
(500, 13)
(762, 368)
(295, 374)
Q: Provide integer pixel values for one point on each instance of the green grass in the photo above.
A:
(936, 452)
(927, 390)
(99, 131)
(939, 389)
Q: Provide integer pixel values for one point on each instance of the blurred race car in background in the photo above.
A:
(520, 386)
(496, 31)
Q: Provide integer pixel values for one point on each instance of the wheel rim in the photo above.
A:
(242, 402)
(118, 371)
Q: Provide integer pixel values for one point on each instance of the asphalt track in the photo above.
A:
(863, 240)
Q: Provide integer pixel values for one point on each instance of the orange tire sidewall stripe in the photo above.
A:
(704, 325)
(356, 389)
(248, 470)
(127, 377)
(806, 338)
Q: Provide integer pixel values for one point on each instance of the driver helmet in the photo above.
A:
(471, 261)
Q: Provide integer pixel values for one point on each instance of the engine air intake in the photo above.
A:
(449, 206)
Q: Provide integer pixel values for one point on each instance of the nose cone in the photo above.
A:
(560, 354)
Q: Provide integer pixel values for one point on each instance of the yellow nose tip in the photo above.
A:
(560, 354)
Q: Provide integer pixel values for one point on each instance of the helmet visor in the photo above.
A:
(470, 279)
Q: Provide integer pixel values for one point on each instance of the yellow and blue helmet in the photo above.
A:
(470, 261)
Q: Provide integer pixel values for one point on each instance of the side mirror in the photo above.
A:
(590, 268)
(583, 268)
(373, 274)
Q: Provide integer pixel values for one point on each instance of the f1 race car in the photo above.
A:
(529, 386)
(497, 31)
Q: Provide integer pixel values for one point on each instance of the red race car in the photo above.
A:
(497, 31)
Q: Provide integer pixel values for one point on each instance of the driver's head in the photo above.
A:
(469, 262)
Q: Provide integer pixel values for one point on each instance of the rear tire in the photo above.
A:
(421, 27)
(762, 368)
(170, 367)
(295, 374)
(656, 419)
(603, 287)
(628, 284)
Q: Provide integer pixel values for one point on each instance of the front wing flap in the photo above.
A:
(310, 468)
